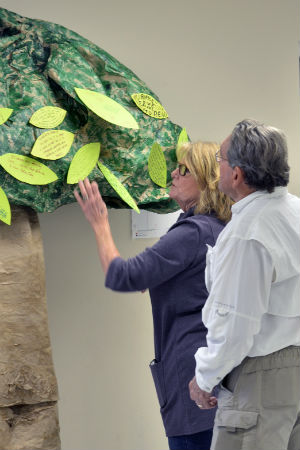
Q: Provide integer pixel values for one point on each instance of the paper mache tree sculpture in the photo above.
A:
(68, 110)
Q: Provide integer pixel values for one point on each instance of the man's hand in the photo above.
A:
(203, 399)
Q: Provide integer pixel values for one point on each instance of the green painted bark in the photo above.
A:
(41, 64)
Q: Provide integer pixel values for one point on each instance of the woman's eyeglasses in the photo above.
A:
(183, 170)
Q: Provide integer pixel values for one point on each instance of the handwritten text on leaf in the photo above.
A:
(157, 166)
(48, 117)
(27, 169)
(107, 108)
(5, 212)
(150, 106)
(83, 162)
(118, 187)
(53, 144)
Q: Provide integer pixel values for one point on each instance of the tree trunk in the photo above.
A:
(28, 387)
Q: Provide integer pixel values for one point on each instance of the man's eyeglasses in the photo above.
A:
(183, 170)
(219, 157)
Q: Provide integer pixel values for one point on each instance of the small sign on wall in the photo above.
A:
(152, 225)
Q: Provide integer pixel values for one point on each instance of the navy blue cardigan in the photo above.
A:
(173, 271)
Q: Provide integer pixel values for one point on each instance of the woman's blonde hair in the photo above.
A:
(200, 159)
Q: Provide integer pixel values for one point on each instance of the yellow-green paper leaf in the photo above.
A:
(27, 169)
(5, 113)
(150, 106)
(83, 162)
(107, 108)
(157, 166)
(48, 117)
(5, 212)
(183, 137)
(118, 187)
(53, 144)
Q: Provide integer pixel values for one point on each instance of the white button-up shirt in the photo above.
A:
(252, 276)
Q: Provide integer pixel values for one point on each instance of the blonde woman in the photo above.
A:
(173, 271)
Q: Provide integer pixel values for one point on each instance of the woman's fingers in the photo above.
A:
(85, 196)
(78, 198)
(87, 191)
(90, 200)
(88, 187)
(83, 190)
(95, 190)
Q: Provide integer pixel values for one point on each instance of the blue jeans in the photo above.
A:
(197, 441)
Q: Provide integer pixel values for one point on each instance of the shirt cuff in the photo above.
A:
(203, 384)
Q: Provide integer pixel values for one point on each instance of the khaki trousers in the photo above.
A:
(259, 404)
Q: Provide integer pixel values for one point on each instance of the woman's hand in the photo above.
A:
(95, 211)
(91, 203)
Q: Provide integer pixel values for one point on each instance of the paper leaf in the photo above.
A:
(183, 137)
(107, 108)
(157, 166)
(48, 117)
(5, 113)
(27, 169)
(53, 144)
(5, 212)
(118, 187)
(83, 162)
(150, 106)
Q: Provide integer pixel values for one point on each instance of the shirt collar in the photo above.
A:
(188, 213)
(241, 204)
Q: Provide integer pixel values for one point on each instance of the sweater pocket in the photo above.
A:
(159, 381)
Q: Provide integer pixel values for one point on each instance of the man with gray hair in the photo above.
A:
(253, 309)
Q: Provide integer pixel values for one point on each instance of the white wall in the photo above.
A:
(212, 63)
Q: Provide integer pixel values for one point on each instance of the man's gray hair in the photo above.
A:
(261, 152)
